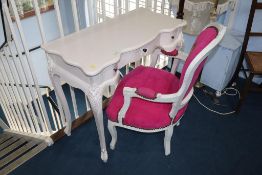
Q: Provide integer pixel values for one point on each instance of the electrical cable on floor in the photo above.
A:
(225, 92)
(231, 94)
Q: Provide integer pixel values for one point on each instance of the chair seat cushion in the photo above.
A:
(141, 113)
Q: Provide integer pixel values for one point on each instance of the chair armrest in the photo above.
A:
(159, 98)
(177, 107)
(130, 93)
(145, 94)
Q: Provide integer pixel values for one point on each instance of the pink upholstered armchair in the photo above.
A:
(153, 100)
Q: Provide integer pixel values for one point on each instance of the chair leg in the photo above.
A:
(167, 139)
(112, 131)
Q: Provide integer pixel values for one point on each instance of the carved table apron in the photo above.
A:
(89, 59)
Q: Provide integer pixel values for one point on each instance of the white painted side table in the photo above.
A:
(89, 59)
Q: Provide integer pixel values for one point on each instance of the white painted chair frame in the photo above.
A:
(178, 99)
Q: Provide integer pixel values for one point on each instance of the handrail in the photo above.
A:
(30, 50)
(26, 85)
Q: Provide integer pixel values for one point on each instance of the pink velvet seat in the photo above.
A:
(154, 115)
(151, 100)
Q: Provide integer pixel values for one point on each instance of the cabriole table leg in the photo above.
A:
(94, 95)
(60, 94)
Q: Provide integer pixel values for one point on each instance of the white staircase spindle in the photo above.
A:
(20, 29)
(15, 100)
(75, 14)
(137, 4)
(7, 14)
(20, 79)
(115, 8)
(11, 104)
(62, 114)
(6, 110)
(58, 17)
(17, 93)
(9, 107)
(39, 20)
(126, 6)
(163, 7)
(155, 5)
(103, 8)
(73, 97)
(51, 110)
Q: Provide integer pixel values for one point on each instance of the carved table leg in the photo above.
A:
(61, 96)
(95, 98)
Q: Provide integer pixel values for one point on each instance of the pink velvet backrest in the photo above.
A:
(202, 41)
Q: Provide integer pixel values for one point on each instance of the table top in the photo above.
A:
(100, 45)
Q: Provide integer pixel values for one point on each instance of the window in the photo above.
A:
(25, 8)
(108, 8)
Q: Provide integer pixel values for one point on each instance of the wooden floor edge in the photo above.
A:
(77, 122)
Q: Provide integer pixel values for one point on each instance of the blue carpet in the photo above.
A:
(205, 143)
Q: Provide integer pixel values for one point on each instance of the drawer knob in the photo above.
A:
(172, 37)
(144, 50)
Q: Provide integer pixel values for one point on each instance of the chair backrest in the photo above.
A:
(195, 61)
